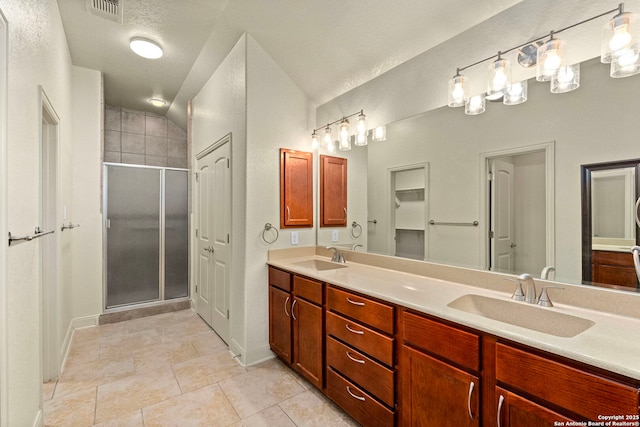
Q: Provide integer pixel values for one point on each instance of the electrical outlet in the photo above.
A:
(294, 237)
(334, 236)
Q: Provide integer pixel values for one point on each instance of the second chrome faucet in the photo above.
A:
(529, 294)
(337, 255)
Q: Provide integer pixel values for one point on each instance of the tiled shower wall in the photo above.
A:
(141, 138)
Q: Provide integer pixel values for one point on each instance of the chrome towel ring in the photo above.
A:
(268, 227)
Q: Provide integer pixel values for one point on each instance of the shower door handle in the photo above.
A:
(108, 223)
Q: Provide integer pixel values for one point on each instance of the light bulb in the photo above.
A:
(628, 58)
(314, 140)
(327, 137)
(621, 38)
(499, 80)
(516, 90)
(553, 61)
(331, 147)
(565, 75)
(379, 133)
(362, 123)
(458, 92)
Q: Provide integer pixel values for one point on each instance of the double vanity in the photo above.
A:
(402, 342)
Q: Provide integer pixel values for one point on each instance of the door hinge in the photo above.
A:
(227, 238)
(196, 289)
(491, 234)
(196, 232)
(228, 163)
(227, 313)
(490, 176)
(196, 176)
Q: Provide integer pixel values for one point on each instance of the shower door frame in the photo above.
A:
(161, 264)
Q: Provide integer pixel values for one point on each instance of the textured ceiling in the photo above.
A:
(326, 46)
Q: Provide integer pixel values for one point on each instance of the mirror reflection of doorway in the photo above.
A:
(517, 213)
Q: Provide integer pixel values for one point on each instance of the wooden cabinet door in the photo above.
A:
(434, 393)
(333, 191)
(280, 323)
(296, 189)
(516, 411)
(308, 340)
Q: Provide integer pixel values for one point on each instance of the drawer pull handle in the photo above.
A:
(500, 402)
(354, 396)
(355, 302)
(353, 358)
(293, 305)
(471, 386)
(285, 307)
(346, 325)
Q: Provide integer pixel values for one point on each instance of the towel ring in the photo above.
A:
(355, 226)
(268, 227)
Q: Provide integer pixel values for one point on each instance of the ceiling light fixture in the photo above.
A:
(344, 133)
(620, 47)
(157, 102)
(146, 48)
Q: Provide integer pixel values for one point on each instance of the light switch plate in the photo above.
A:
(294, 237)
(334, 236)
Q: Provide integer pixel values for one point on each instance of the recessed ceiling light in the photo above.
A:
(146, 48)
(157, 102)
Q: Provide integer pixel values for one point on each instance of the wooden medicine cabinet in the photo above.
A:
(296, 189)
(333, 191)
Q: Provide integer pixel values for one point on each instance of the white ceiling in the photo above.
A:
(326, 46)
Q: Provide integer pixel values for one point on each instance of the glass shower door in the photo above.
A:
(176, 234)
(133, 235)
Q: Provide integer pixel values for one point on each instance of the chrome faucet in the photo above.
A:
(530, 295)
(337, 255)
(545, 272)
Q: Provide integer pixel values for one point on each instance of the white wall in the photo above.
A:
(219, 109)
(277, 117)
(38, 56)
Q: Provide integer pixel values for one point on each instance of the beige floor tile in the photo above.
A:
(204, 407)
(311, 409)
(48, 388)
(258, 389)
(73, 410)
(133, 419)
(127, 344)
(270, 417)
(91, 374)
(206, 370)
(158, 356)
(128, 394)
(188, 326)
(205, 343)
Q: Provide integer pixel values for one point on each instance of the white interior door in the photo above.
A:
(502, 218)
(214, 227)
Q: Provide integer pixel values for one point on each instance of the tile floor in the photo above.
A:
(173, 370)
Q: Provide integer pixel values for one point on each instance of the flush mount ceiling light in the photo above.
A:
(146, 48)
(344, 133)
(620, 47)
(157, 102)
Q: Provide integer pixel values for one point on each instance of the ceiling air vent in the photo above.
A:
(108, 9)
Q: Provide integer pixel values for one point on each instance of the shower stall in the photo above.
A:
(146, 234)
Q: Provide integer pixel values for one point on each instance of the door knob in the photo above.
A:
(513, 245)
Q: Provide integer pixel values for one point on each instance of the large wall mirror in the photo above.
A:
(547, 140)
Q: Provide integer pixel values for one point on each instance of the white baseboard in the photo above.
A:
(257, 355)
(77, 323)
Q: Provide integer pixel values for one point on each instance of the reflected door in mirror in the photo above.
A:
(296, 189)
(333, 191)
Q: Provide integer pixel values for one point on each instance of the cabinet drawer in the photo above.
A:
(280, 279)
(373, 343)
(586, 394)
(362, 309)
(370, 375)
(459, 346)
(357, 403)
(308, 289)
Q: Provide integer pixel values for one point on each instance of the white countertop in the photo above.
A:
(612, 343)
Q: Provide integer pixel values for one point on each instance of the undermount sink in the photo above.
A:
(523, 315)
(319, 265)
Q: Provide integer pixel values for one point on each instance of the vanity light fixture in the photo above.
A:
(379, 133)
(146, 48)
(620, 47)
(344, 133)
